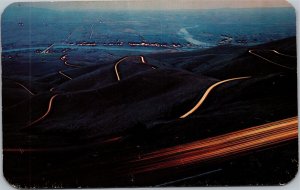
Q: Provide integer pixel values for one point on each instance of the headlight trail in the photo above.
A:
(268, 60)
(63, 74)
(47, 112)
(205, 95)
(219, 147)
(30, 92)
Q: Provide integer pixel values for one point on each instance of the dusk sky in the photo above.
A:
(163, 4)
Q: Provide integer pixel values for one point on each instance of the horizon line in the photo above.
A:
(157, 5)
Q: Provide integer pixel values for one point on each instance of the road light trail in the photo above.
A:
(47, 112)
(71, 65)
(64, 59)
(116, 67)
(47, 48)
(143, 60)
(219, 147)
(255, 54)
(30, 92)
(124, 58)
(223, 138)
(292, 56)
(63, 74)
(205, 95)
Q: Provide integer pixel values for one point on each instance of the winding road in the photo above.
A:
(47, 112)
(64, 59)
(217, 148)
(71, 65)
(270, 61)
(205, 95)
(63, 74)
(292, 56)
(116, 67)
(143, 59)
(30, 92)
(124, 58)
(43, 52)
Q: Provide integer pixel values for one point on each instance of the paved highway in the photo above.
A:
(219, 147)
(71, 65)
(116, 67)
(124, 58)
(64, 59)
(205, 95)
(143, 59)
(63, 74)
(47, 112)
(270, 61)
(30, 92)
(47, 48)
(145, 62)
(292, 56)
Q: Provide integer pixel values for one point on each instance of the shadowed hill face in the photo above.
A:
(104, 105)
(70, 109)
(232, 61)
(116, 106)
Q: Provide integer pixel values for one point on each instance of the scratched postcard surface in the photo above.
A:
(149, 93)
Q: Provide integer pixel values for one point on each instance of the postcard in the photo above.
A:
(184, 93)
